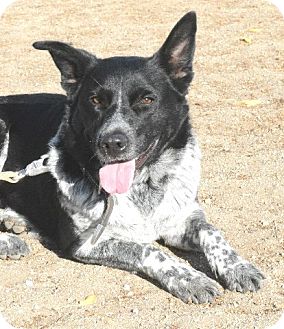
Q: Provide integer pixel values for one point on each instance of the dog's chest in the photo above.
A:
(129, 222)
(147, 213)
(160, 196)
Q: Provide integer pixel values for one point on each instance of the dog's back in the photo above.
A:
(30, 120)
(27, 123)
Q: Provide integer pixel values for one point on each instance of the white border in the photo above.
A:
(279, 324)
(279, 4)
(4, 4)
(4, 324)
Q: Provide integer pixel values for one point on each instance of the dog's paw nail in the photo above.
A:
(201, 290)
(8, 223)
(17, 229)
(243, 277)
(15, 257)
(14, 226)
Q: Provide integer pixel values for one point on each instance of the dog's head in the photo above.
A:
(126, 110)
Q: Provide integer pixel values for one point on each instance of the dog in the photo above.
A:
(123, 168)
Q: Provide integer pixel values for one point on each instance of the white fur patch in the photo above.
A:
(4, 237)
(53, 159)
(127, 223)
(4, 151)
(119, 101)
(179, 199)
(85, 249)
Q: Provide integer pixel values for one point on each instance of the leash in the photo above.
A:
(35, 168)
(39, 167)
(101, 224)
(95, 230)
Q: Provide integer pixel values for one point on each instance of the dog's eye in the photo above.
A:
(147, 100)
(95, 100)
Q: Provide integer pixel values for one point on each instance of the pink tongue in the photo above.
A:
(118, 177)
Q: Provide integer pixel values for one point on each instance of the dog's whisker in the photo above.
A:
(92, 157)
(94, 79)
(89, 176)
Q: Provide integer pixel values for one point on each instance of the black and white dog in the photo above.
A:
(123, 168)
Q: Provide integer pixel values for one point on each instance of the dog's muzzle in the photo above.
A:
(118, 177)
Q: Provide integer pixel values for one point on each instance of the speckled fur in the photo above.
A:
(169, 211)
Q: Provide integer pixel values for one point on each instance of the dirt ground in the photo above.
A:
(237, 108)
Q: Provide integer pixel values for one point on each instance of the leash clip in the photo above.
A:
(35, 168)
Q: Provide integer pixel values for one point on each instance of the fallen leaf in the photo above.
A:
(249, 102)
(89, 300)
(254, 30)
(247, 40)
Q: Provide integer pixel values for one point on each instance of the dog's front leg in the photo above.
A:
(172, 274)
(234, 272)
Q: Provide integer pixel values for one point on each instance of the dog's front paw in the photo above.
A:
(199, 290)
(242, 277)
(12, 247)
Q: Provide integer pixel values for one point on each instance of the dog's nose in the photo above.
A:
(114, 144)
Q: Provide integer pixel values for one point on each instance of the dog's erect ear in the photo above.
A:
(176, 54)
(71, 62)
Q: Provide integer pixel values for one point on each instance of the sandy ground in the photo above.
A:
(239, 58)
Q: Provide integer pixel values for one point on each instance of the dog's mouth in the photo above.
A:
(118, 177)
